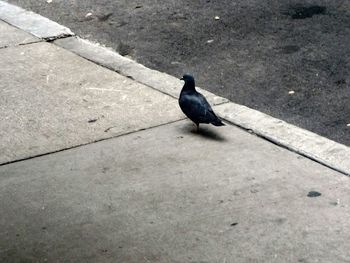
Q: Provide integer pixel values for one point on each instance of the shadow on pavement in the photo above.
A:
(205, 131)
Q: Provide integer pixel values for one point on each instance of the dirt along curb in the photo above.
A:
(306, 143)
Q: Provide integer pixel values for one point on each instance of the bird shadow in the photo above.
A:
(204, 131)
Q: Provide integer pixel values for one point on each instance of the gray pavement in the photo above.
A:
(10, 36)
(57, 100)
(152, 190)
(169, 195)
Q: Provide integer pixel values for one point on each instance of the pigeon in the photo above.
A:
(195, 106)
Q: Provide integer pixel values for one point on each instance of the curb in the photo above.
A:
(32, 23)
(112, 60)
(320, 149)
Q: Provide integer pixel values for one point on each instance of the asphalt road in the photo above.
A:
(287, 59)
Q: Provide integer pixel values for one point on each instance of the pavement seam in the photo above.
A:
(21, 44)
(306, 143)
(320, 149)
(92, 142)
(52, 39)
(279, 144)
(31, 22)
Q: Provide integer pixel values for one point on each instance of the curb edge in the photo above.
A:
(32, 23)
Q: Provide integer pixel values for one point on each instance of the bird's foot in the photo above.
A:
(197, 128)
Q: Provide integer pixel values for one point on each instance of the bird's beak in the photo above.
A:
(182, 79)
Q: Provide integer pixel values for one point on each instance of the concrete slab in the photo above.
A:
(57, 100)
(11, 36)
(109, 58)
(168, 195)
(321, 149)
(33, 23)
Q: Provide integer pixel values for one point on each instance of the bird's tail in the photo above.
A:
(217, 122)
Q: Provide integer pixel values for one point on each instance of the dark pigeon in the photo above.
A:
(195, 106)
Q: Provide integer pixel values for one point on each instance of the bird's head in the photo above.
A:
(189, 82)
(187, 78)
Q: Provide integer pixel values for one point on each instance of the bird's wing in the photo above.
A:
(197, 108)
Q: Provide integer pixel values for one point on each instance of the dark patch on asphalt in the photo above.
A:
(234, 224)
(340, 82)
(302, 12)
(124, 49)
(313, 194)
(289, 49)
(104, 17)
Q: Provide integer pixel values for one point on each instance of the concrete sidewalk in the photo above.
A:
(97, 167)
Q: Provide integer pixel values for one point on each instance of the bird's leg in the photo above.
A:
(197, 124)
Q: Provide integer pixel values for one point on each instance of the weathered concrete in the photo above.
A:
(11, 36)
(51, 99)
(307, 143)
(32, 23)
(316, 147)
(108, 58)
(168, 195)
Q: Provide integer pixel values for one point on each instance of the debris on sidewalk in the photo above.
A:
(336, 203)
(314, 194)
(92, 120)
